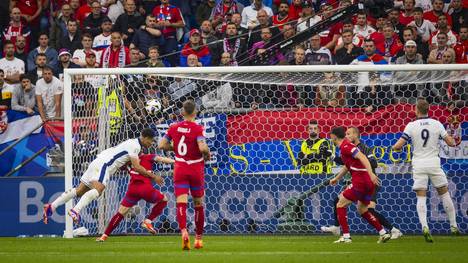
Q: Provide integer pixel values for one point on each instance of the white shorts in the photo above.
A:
(97, 171)
(422, 175)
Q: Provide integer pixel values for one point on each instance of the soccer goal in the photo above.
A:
(262, 177)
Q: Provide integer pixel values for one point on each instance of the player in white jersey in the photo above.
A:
(94, 180)
(424, 134)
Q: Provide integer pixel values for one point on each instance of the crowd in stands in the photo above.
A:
(41, 38)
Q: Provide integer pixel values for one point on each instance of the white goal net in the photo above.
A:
(263, 177)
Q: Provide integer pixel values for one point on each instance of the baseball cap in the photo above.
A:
(410, 43)
(194, 31)
(90, 54)
(64, 51)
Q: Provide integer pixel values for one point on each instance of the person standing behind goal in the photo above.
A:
(191, 152)
(424, 134)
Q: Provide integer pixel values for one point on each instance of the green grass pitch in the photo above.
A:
(242, 249)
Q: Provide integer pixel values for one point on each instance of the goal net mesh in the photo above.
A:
(260, 179)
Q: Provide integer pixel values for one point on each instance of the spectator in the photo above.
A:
(392, 43)
(362, 29)
(422, 47)
(424, 27)
(94, 21)
(249, 14)
(135, 57)
(6, 91)
(20, 50)
(195, 46)
(96, 81)
(64, 62)
(296, 8)
(461, 48)
(408, 93)
(147, 36)
(226, 60)
(59, 26)
(394, 18)
(263, 22)
(317, 55)
(435, 57)
(24, 97)
(114, 9)
(169, 20)
(299, 56)
(406, 16)
(378, 36)
(204, 11)
(16, 28)
(72, 39)
(444, 28)
(43, 47)
(366, 92)
(347, 51)
(116, 55)
(36, 72)
(12, 67)
(83, 97)
(329, 92)
(282, 18)
(79, 56)
(308, 17)
(223, 12)
(103, 40)
(208, 38)
(459, 15)
(220, 98)
(153, 58)
(192, 61)
(128, 22)
(260, 47)
(335, 30)
(84, 11)
(437, 10)
(237, 20)
(49, 92)
(30, 11)
(75, 5)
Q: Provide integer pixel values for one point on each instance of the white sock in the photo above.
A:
(63, 198)
(449, 208)
(87, 198)
(422, 210)
(346, 235)
(382, 232)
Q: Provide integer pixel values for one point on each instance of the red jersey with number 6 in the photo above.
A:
(359, 175)
(185, 136)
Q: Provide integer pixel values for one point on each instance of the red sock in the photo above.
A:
(157, 210)
(199, 221)
(343, 219)
(182, 215)
(115, 221)
(371, 219)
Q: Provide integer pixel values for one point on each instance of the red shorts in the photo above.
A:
(139, 190)
(189, 177)
(360, 192)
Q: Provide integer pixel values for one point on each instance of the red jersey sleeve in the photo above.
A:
(350, 150)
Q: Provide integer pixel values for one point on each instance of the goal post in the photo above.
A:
(256, 120)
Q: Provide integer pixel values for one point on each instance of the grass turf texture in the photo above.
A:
(234, 249)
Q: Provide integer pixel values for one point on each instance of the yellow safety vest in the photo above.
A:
(113, 108)
(315, 167)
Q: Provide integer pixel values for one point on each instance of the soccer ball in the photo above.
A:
(153, 106)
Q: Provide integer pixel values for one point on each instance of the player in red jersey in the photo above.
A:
(141, 187)
(191, 152)
(363, 181)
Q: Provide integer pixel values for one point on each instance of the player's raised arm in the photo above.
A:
(161, 159)
(399, 144)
